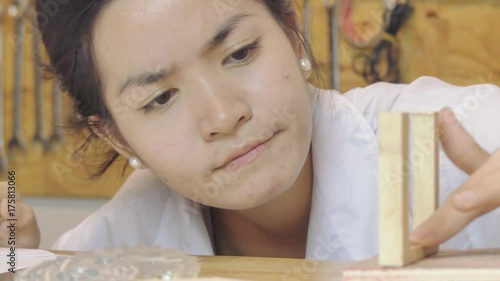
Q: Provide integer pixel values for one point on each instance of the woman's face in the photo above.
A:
(194, 85)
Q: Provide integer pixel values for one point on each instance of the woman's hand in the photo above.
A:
(27, 232)
(478, 195)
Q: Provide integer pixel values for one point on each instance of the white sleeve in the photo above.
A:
(130, 217)
(89, 235)
(477, 106)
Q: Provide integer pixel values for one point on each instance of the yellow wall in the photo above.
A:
(456, 41)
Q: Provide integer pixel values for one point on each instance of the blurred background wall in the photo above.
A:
(454, 40)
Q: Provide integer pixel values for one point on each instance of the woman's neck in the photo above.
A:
(275, 229)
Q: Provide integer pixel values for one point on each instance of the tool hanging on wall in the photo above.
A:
(382, 63)
(362, 38)
(307, 20)
(3, 157)
(331, 5)
(17, 8)
(40, 142)
(57, 137)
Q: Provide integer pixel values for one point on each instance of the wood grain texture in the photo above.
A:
(476, 265)
(396, 167)
(272, 269)
(424, 158)
(267, 269)
(455, 41)
(260, 269)
(425, 173)
(470, 265)
(393, 188)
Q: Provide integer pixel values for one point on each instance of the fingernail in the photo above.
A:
(419, 234)
(465, 199)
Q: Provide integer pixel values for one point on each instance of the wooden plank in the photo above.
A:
(394, 167)
(425, 153)
(395, 250)
(425, 172)
(272, 269)
(393, 188)
(468, 265)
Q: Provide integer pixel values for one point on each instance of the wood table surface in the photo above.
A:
(276, 269)
(259, 269)
(279, 269)
(264, 269)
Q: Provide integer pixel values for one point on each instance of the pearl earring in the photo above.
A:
(135, 162)
(305, 64)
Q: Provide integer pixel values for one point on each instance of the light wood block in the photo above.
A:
(425, 167)
(471, 265)
(393, 184)
(425, 153)
(398, 259)
(395, 163)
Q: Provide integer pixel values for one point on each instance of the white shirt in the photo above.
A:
(343, 223)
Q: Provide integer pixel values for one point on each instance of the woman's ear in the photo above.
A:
(104, 132)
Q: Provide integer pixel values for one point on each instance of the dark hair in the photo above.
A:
(67, 36)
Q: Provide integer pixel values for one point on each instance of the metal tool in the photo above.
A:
(307, 20)
(39, 140)
(331, 5)
(56, 137)
(16, 10)
(3, 157)
(351, 34)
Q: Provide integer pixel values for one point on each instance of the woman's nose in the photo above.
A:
(224, 114)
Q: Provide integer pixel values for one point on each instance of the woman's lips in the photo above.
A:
(248, 157)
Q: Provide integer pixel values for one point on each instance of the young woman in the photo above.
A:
(235, 152)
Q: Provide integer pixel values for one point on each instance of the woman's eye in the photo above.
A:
(240, 55)
(163, 98)
(243, 55)
(160, 101)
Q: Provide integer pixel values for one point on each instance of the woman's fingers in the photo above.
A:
(478, 195)
(27, 233)
(442, 225)
(481, 192)
(458, 144)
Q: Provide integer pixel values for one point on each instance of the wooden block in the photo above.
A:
(424, 156)
(394, 166)
(425, 167)
(470, 265)
(393, 188)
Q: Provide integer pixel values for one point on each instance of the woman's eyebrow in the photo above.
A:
(148, 78)
(145, 78)
(223, 32)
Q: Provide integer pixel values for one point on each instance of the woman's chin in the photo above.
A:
(257, 197)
